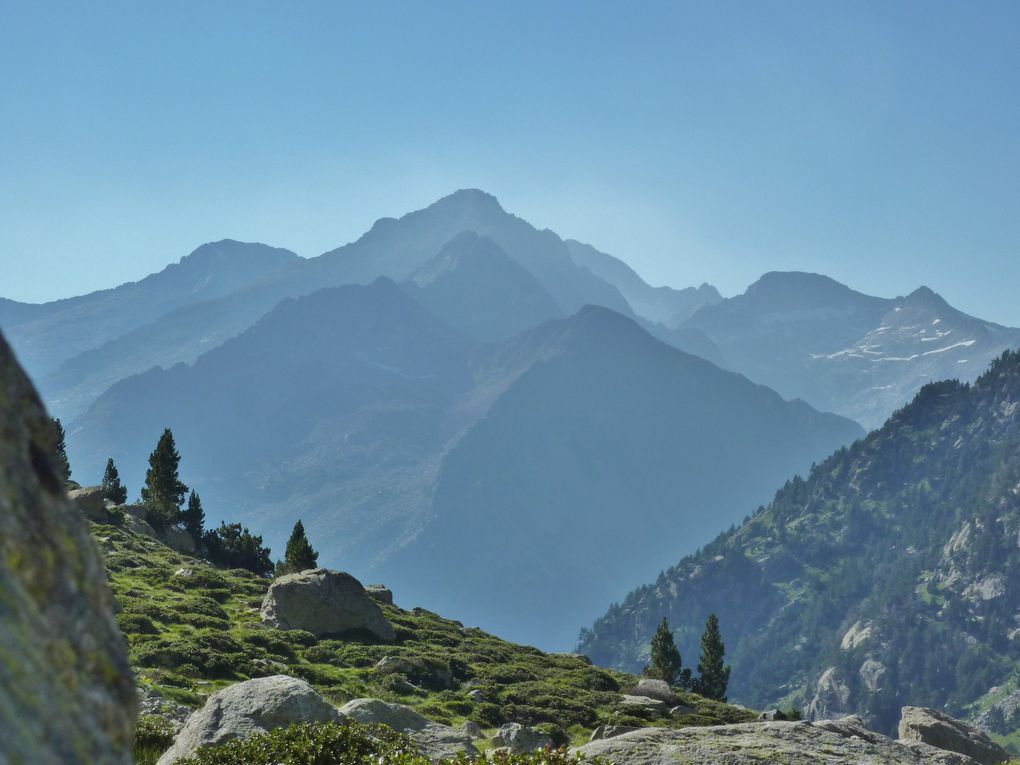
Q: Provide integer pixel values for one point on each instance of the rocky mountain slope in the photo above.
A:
(809, 337)
(891, 575)
(342, 408)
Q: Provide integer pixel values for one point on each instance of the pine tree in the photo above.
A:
(163, 493)
(666, 660)
(60, 461)
(193, 517)
(714, 676)
(113, 489)
(299, 555)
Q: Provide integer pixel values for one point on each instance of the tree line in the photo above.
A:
(168, 502)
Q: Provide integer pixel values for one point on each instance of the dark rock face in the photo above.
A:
(66, 691)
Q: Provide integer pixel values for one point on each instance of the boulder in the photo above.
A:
(139, 526)
(791, 743)
(436, 741)
(929, 726)
(91, 502)
(471, 729)
(67, 696)
(243, 709)
(520, 738)
(380, 593)
(656, 689)
(646, 703)
(323, 602)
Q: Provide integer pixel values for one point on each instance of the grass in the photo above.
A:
(192, 629)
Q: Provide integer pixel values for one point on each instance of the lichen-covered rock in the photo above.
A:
(842, 742)
(66, 691)
(520, 738)
(929, 726)
(253, 706)
(435, 740)
(323, 602)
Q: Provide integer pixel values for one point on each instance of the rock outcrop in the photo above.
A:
(66, 691)
(435, 740)
(380, 593)
(792, 743)
(929, 726)
(243, 709)
(323, 602)
(91, 502)
(521, 738)
(656, 689)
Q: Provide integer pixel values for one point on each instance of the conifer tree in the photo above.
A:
(714, 676)
(665, 657)
(163, 493)
(193, 517)
(113, 489)
(60, 461)
(299, 555)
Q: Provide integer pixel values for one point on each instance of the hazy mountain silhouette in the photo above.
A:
(47, 334)
(810, 337)
(341, 408)
(475, 286)
(660, 305)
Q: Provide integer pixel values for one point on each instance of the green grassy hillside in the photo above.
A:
(192, 629)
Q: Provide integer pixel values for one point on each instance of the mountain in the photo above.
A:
(891, 575)
(342, 407)
(659, 305)
(810, 337)
(48, 334)
(393, 248)
(332, 408)
(605, 457)
(475, 286)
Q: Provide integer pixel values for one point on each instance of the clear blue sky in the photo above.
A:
(876, 142)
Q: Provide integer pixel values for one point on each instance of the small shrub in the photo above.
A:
(136, 624)
(153, 736)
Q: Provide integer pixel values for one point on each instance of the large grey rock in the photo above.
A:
(91, 502)
(645, 703)
(656, 689)
(520, 738)
(435, 740)
(243, 709)
(929, 726)
(67, 696)
(380, 593)
(790, 743)
(323, 602)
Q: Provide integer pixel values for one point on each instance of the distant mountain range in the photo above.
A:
(415, 393)
(810, 337)
(414, 453)
(890, 576)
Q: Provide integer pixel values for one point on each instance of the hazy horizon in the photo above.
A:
(872, 143)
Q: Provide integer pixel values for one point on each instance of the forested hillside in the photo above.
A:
(890, 576)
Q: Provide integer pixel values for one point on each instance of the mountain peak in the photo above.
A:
(233, 250)
(927, 297)
(474, 200)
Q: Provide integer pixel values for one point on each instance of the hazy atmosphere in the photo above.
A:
(460, 383)
(697, 141)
